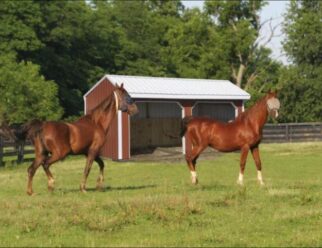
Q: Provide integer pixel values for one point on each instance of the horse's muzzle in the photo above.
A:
(132, 109)
(273, 113)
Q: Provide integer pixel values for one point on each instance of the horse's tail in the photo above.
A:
(32, 129)
(184, 123)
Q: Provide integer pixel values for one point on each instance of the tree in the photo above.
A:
(25, 94)
(239, 27)
(63, 56)
(142, 41)
(19, 22)
(301, 91)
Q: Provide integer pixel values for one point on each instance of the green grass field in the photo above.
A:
(154, 204)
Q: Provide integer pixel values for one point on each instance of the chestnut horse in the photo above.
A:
(244, 134)
(53, 141)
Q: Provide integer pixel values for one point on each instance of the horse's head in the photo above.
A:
(124, 101)
(273, 104)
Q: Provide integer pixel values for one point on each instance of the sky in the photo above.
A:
(274, 10)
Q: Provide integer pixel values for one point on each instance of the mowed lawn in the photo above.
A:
(154, 203)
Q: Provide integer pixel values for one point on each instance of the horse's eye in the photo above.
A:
(129, 100)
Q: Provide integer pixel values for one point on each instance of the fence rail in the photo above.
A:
(15, 151)
(292, 132)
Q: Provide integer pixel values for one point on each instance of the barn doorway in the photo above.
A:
(156, 125)
(220, 111)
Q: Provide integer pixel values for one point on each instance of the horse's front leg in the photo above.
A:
(192, 160)
(89, 162)
(100, 179)
(243, 158)
(256, 157)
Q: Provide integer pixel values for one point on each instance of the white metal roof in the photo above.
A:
(177, 88)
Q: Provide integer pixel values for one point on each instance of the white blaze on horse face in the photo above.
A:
(193, 176)
(273, 105)
(259, 177)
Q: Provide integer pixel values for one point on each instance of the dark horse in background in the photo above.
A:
(54, 140)
(244, 134)
(16, 133)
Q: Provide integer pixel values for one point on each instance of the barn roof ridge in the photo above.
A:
(176, 88)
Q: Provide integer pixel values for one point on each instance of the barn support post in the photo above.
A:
(240, 106)
(186, 112)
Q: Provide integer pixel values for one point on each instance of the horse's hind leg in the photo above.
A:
(55, 156)
(32, 170)
(243, 158)
(255, 153)
(100, 178)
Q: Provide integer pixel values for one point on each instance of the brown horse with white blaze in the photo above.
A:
(244, 134)
(53, 141)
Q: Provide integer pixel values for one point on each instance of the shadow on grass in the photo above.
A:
(108, 188)
(215, 187)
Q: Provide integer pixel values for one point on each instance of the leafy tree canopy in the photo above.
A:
(25, 94)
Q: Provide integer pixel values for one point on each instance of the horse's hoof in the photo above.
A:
(82, 189)
(30, 192)
(99, 187)
(240, 183)
(50, 189)
(195, 182)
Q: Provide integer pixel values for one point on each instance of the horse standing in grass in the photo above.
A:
(243, 134)
(53, 141)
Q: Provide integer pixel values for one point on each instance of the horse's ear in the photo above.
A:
(122, 86)
(116, 85)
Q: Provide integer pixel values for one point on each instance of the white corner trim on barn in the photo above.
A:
(119, 135)
(183, 137)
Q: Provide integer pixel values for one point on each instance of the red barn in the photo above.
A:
(162, 103)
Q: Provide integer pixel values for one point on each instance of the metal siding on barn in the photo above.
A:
(158, 110)
(125, 136)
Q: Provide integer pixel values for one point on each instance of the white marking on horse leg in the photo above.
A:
(240, 180)
(51, 183)
(259, 177)
(193, 177)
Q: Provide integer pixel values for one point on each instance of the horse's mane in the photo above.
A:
(102, 108)
(259, 103)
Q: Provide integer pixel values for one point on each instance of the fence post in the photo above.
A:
(1, 151)
(20, 151)
(287, 132)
